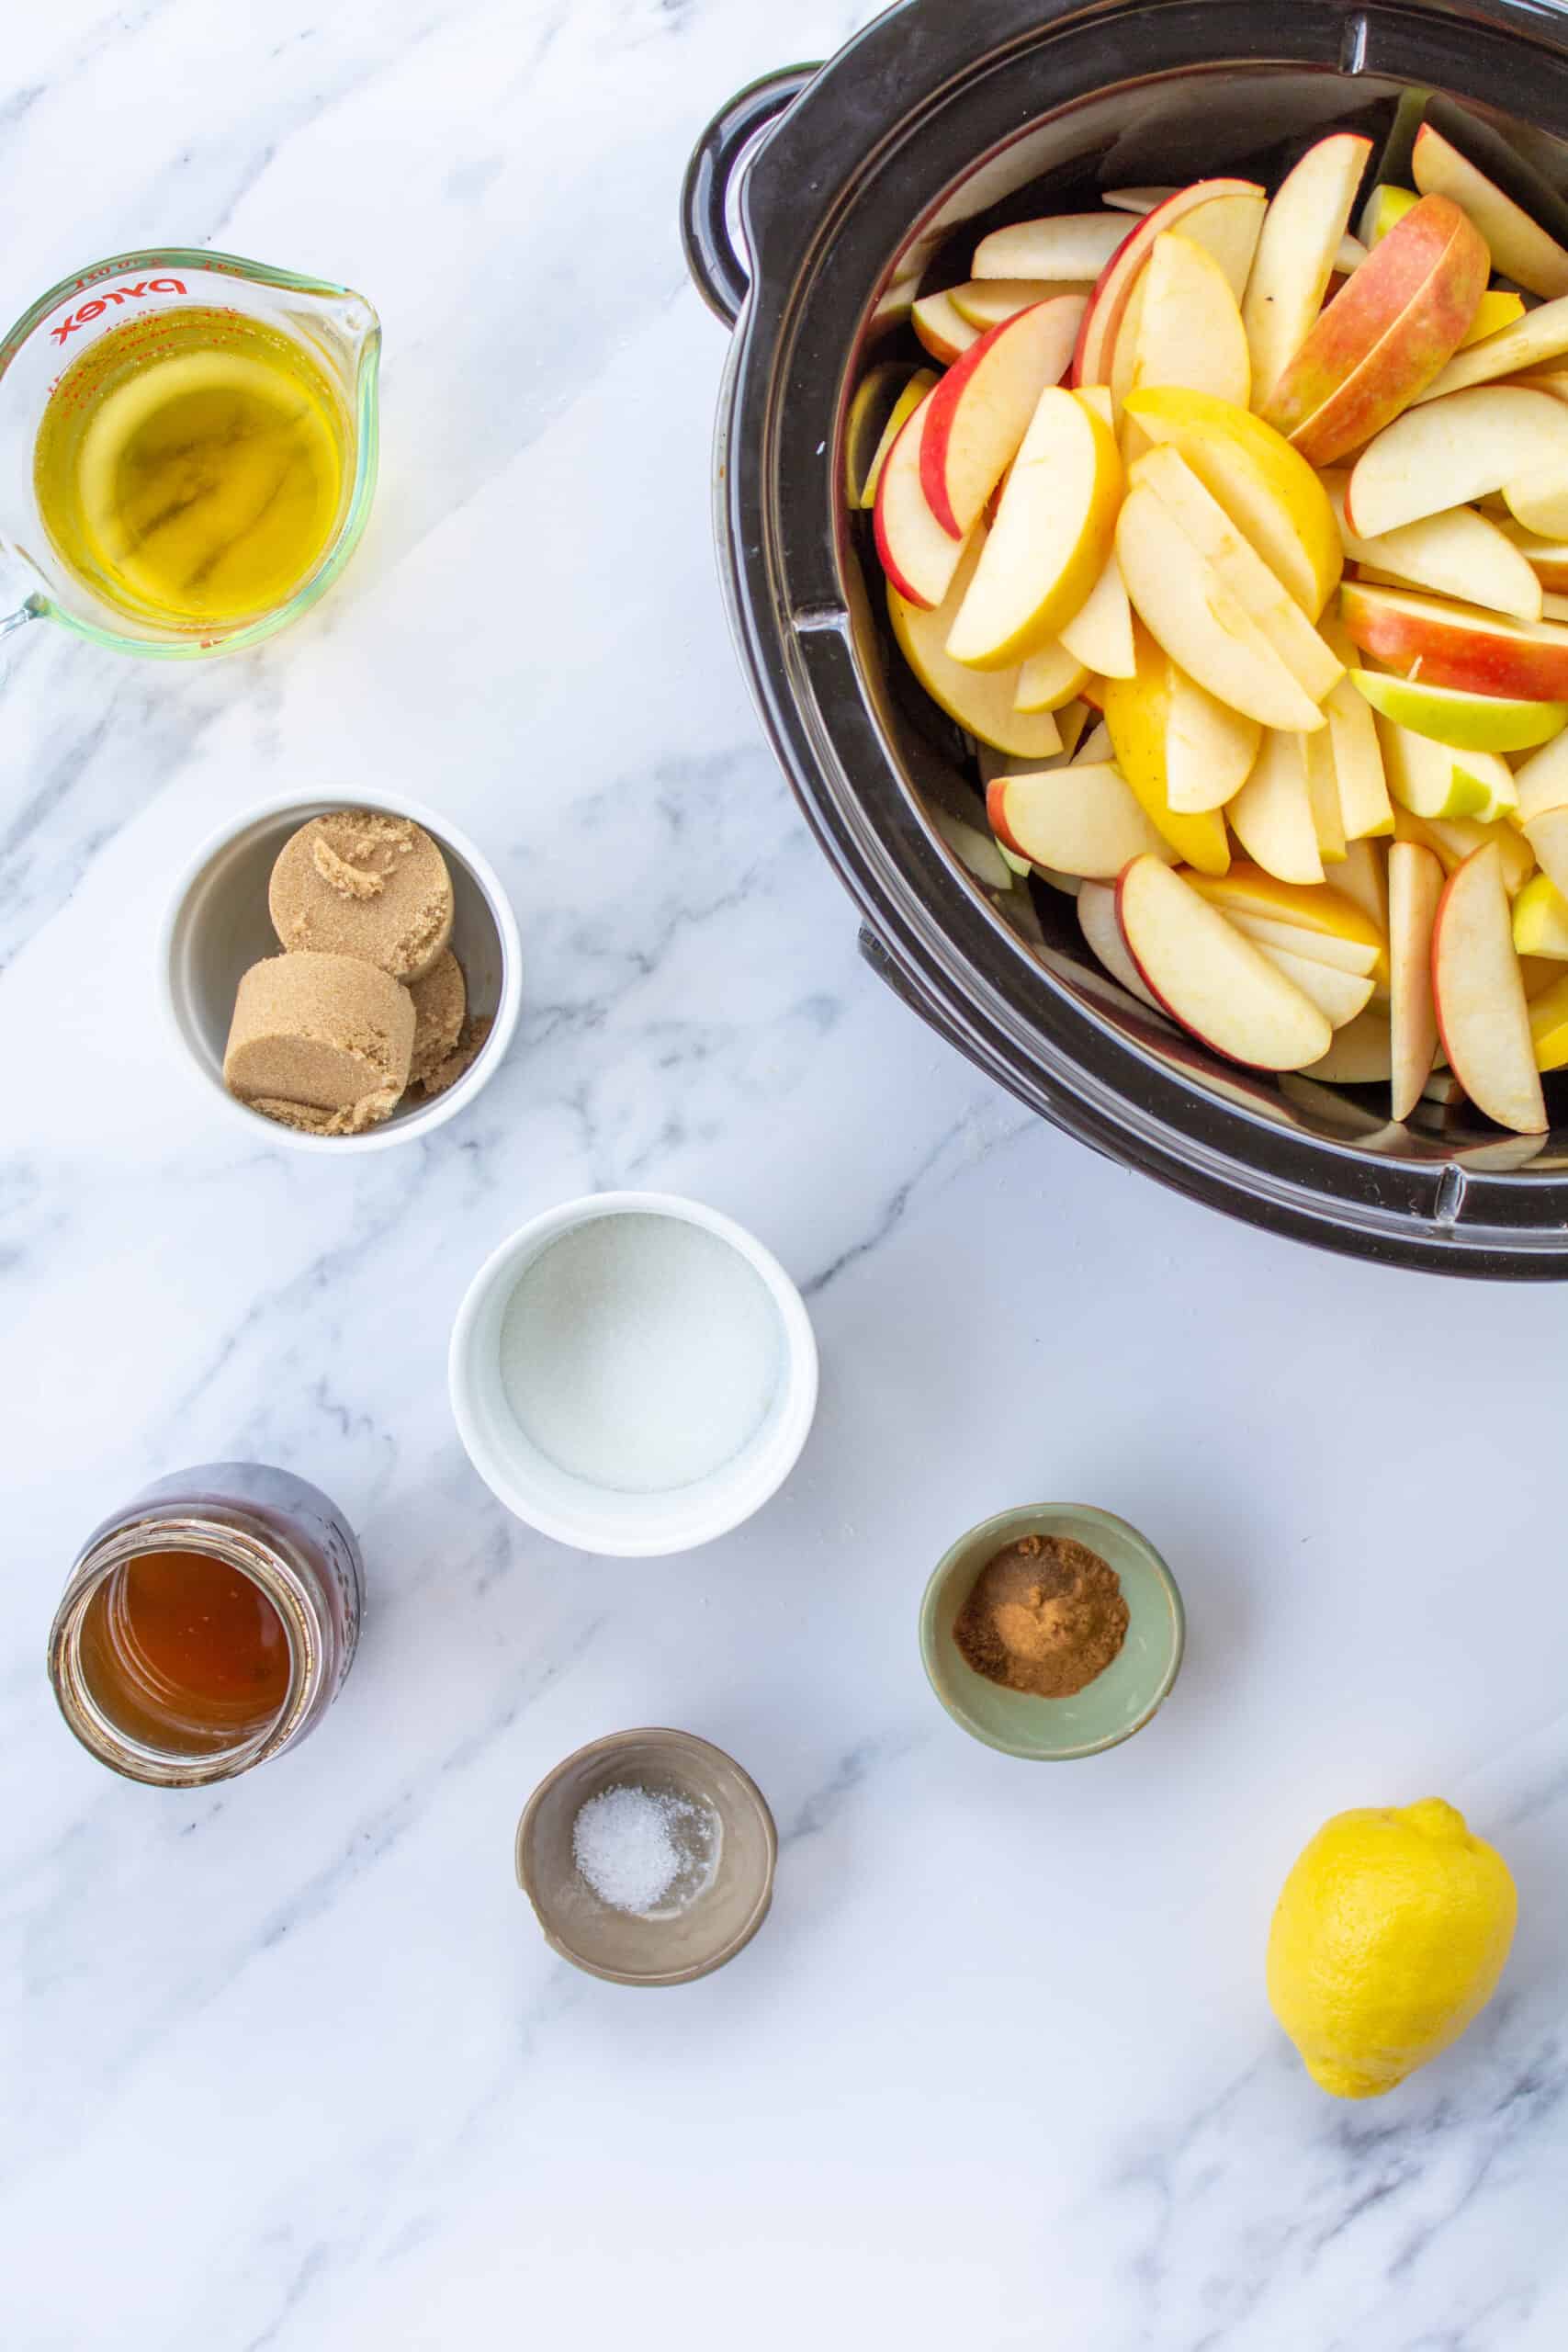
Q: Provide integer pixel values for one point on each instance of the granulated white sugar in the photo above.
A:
(646, 1850)
(640, 1352)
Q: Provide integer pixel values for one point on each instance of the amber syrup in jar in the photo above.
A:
(184, 1652)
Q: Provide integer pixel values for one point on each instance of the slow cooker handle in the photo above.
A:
(705, 193)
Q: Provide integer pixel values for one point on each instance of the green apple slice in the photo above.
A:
(1434, 779)
(1464, 722)
(1540, 919)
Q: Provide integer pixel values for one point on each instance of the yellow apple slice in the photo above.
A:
(1268, 489)
(1549, 1026)
(1521, 247)
(1323, 795)
(1190, 330)
(1548, 837)
(984, 302)
(1081, 818)
(1541, 782)
(922, 382)
(1050, 678)
(1206, 630)
(1293, 636)
(1340, 996)
(1433, 779)
(1100, 634)
(1540, 919)
(1301, 230)
(1497, 309)
(974, 423)
(1459, 553)
(1075, 246)
(1209, 749)
(1482, 1016)
(1051, 537)
(1540, 501)
(1386, 205)
(1138, 713)
(1102, 933)
(1415, 887)
(983, 701)
(945, 334)
(1482, 723)
(1209, 978)
(1362, 1054)
(1271, 816)
(1329, 914)
(1450, 451)
(919, 557)
(1532, 338)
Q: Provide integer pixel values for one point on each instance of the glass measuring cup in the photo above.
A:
(337, 328)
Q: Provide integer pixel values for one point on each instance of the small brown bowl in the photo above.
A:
(622, 1946)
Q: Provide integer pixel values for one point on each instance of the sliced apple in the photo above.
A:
(1362, 1054)
(1050, 678)
(1540, 501)
(1223, 216)
(875, 403)
(1052, 534)
(1101, 632)
(1138, 713)
(919, 557)
(1548, 837)
(1074, 246)
(1340, 996)
(1271, 816)
(1383, 208)
(1548, 559)
(1360, 782)
(1541, 782)
(922, 382)
(1549, 1026)
(945, 333)
(1433, 779)
(1480, 724)
(1459, 553)
(1209, 978)
(982, 701)
(1137, 199)
(1209, 749)
(1540, 919)
(1520, 248)
(1269, 490)
(1483, 1017)
(1450, 451)
(1347, 955)
(1097, 921)
(976, 420)
(1498, 308)
(1456, 838)
(1323, 795)
(1454, 645)
(984, 302)
(1095, 746)
(1415, 887)
(1306, 218)
(1239, 567)
(1190, 330)
(1204, 626)
(1386, 336)
(975, 850)
(1363, 880)
(1525, 341)
(1082, 819)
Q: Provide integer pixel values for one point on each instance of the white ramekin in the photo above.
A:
(573, 1511)
(217, 926)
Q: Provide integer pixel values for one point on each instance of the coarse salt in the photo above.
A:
(646, 1850)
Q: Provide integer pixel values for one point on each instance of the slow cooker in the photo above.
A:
(818, 203)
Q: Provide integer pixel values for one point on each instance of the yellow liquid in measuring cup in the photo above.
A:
(190, 468)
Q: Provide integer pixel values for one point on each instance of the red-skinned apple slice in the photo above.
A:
(1452, 451)
(1483, 1016)
(1081, 818)
(1053, 532)
(1457, 645)
(982, 701)
(1223, 216)
(919, 557)
(1097, 921)
(1459, 553)
(1072, 245)
(1190, 332)
(945, 334)
(1520, 248)
(1383, 337)
(1415, 887)
(1306, 218)
(975, 419)
(1209, 978)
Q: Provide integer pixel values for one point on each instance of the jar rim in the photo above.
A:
(267, 1561)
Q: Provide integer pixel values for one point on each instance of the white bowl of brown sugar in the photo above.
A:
(343, 975)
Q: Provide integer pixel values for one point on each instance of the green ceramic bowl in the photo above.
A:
(1117, 1703)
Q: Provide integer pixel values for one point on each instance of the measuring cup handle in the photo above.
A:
(31, 611)
(704, 232)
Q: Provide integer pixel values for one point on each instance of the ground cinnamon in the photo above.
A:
(1044, 1616)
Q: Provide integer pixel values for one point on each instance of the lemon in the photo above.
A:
(1389, 1938)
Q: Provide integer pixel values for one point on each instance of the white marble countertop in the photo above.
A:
(289, 2065)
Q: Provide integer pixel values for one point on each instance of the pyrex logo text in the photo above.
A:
(95, 309)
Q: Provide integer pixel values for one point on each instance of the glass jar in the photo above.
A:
(255, 1527)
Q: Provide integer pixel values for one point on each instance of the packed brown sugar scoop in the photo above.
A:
(367, 999)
